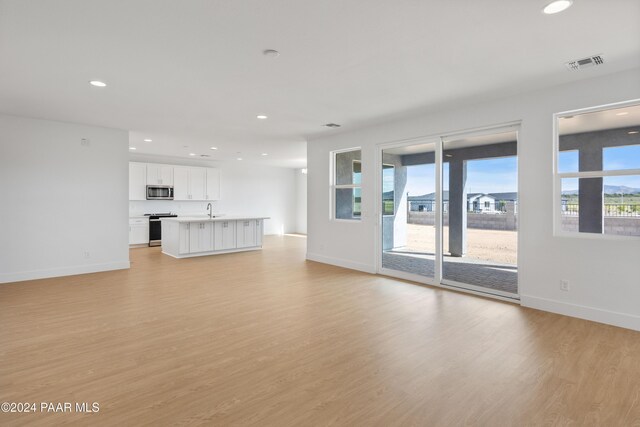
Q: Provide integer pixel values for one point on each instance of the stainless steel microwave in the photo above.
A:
(159, 192)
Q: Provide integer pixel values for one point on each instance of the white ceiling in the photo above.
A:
(192, 72)
(613, 118)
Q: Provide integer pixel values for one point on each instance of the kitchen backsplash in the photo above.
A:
(179, 207)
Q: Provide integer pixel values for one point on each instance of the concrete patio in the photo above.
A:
(489, 275)
(489, 262)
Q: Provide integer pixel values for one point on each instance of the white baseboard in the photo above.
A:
(614, 318)
(342, 263)
(65, 271)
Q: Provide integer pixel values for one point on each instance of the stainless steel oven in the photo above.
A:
(159, 192)
(155, 227)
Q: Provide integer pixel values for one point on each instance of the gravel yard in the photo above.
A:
(488, 245)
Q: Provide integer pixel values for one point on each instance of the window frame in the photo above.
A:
(334, 186)
(390, 166)
(559, 176)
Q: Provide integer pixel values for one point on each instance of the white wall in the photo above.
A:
(301, 202)
(63, 208)
(245, 189)
(605, 285)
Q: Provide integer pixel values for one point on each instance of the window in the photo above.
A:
(568, 161)
(347, 179)
(487, 204)
(598, 171)
(388, 188)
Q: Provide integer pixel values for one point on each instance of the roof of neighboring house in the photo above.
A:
(428, 197)
(472, 196)
(505, 196)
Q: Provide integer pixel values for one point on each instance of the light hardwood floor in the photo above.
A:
(267, 338)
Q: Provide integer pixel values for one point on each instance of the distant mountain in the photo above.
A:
(609, 189)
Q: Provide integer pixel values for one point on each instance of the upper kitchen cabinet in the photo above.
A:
(159, 174)
(137, 181)
(213, 184)
(189, 183)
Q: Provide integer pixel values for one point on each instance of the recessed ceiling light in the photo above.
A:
(261, 117)
(192, 154)
(97, 83)
(132, 148)
(265, 154)
(239, 158)
(147, 140)
(213, 148)
(633, 132)
(557, 6)
(271, 53)
(624, 113)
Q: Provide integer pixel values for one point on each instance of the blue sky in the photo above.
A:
(615, 158)
(483, 176)
(626, 157)
(500, 175)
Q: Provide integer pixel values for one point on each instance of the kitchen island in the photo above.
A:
(185, 237)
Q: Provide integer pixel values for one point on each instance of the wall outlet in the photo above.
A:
(87, 255)
(564, 285)
(85, 142)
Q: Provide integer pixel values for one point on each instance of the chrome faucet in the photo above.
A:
(210, 210)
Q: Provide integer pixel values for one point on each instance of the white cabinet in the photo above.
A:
(181, 183)
(213, 184)
(159, 174)
(198, 183)
(138, 231)
(189, 183)
(259, 231)
(225, 235)
(200, 236)
(249, 233)
(189, 237)
(183, 233)
(245, 233)
(137, 181)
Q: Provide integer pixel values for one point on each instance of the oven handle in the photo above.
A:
(154, 220)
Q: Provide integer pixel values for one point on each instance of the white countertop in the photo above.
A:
(207, 219)
(187, 215)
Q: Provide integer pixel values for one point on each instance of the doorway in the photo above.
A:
(449, 211)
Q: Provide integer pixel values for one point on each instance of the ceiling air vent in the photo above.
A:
(580, 64)
(331, 125)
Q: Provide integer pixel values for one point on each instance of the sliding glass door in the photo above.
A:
(480, 250)
(449, 212)
(409, 210)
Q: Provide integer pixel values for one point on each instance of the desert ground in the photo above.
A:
(488, 245)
